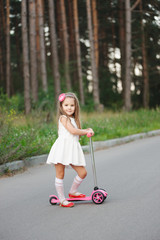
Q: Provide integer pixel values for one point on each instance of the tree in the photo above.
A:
(16, 17)
(78, 51)
(66, 45)
(72, 46)
(122, 43)
(127, 95)
(38, 42)
(2, 44)
(59, 32)
(137, 69)
(42, 46)
(95, 31)
(33, 60)
(145, 68)
(128, 53)
(25, 57)
(8, 64)
(92, 53)
(1, 62)
(54, 53)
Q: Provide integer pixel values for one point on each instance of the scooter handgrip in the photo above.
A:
(89, 134)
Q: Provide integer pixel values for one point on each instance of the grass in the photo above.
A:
(113, 125)
(22, 137)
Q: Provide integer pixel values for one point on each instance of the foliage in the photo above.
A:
(25, 136)
(111, 125)
(109, 41)
(16, 102)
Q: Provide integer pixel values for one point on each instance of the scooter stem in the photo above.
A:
(93, 163)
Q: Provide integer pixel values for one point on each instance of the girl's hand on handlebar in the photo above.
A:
(90, 132)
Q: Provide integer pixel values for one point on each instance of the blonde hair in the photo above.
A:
(76, 114)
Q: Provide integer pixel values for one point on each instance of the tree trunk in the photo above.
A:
(25, 57)
(66, 45)
(114, 52)
(1, 64)
(78, 51)
(103, 48)
(72, 45)
(122, 43)
(1, 58)
(54, 53)
(145, 68)
(59, 32)
(8, 64)
(18, 50)
(38, 42)
(95, 32)
(33, 60)
(2, 14)
(42, 46)
(127, 103)
(92, 52)
(71, 31)
(2, 45)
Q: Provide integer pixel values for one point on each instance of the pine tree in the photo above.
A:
(33, 60)
(54, 49)
(25, 57)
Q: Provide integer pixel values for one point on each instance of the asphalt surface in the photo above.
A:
(130, 173)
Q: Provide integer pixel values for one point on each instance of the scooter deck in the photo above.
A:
(56, 200)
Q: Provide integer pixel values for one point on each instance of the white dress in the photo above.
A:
(66, 149)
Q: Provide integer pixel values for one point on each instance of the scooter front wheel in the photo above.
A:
(98, 197)
(51, 200)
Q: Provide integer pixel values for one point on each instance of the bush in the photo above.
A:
(16, 102)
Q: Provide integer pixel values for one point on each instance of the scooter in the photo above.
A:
(98, 195)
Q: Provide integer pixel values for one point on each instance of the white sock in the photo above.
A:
(76, 183)
(60, 189)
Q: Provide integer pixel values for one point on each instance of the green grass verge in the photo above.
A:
(22, 137)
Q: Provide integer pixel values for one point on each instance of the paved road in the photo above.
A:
(131, 175)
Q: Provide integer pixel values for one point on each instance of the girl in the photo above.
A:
(67, 150)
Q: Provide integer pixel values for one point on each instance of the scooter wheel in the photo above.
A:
(98, 197)
(105, 191)
(51, 200)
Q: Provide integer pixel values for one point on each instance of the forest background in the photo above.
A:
(107, 52)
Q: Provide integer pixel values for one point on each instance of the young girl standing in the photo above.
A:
(67, 150)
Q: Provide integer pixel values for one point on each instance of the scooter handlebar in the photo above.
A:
(89, 135)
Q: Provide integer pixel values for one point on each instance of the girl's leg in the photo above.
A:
(60, 169)
(59, 181)
(81, 171)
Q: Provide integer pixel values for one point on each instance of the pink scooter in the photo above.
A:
(97, 196)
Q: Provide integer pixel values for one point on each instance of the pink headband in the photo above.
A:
(62, 96)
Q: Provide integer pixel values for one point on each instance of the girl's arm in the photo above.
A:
(75, 131)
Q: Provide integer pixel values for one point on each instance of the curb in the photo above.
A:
(37, 160)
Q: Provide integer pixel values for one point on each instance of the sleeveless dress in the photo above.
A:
(66, 149)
